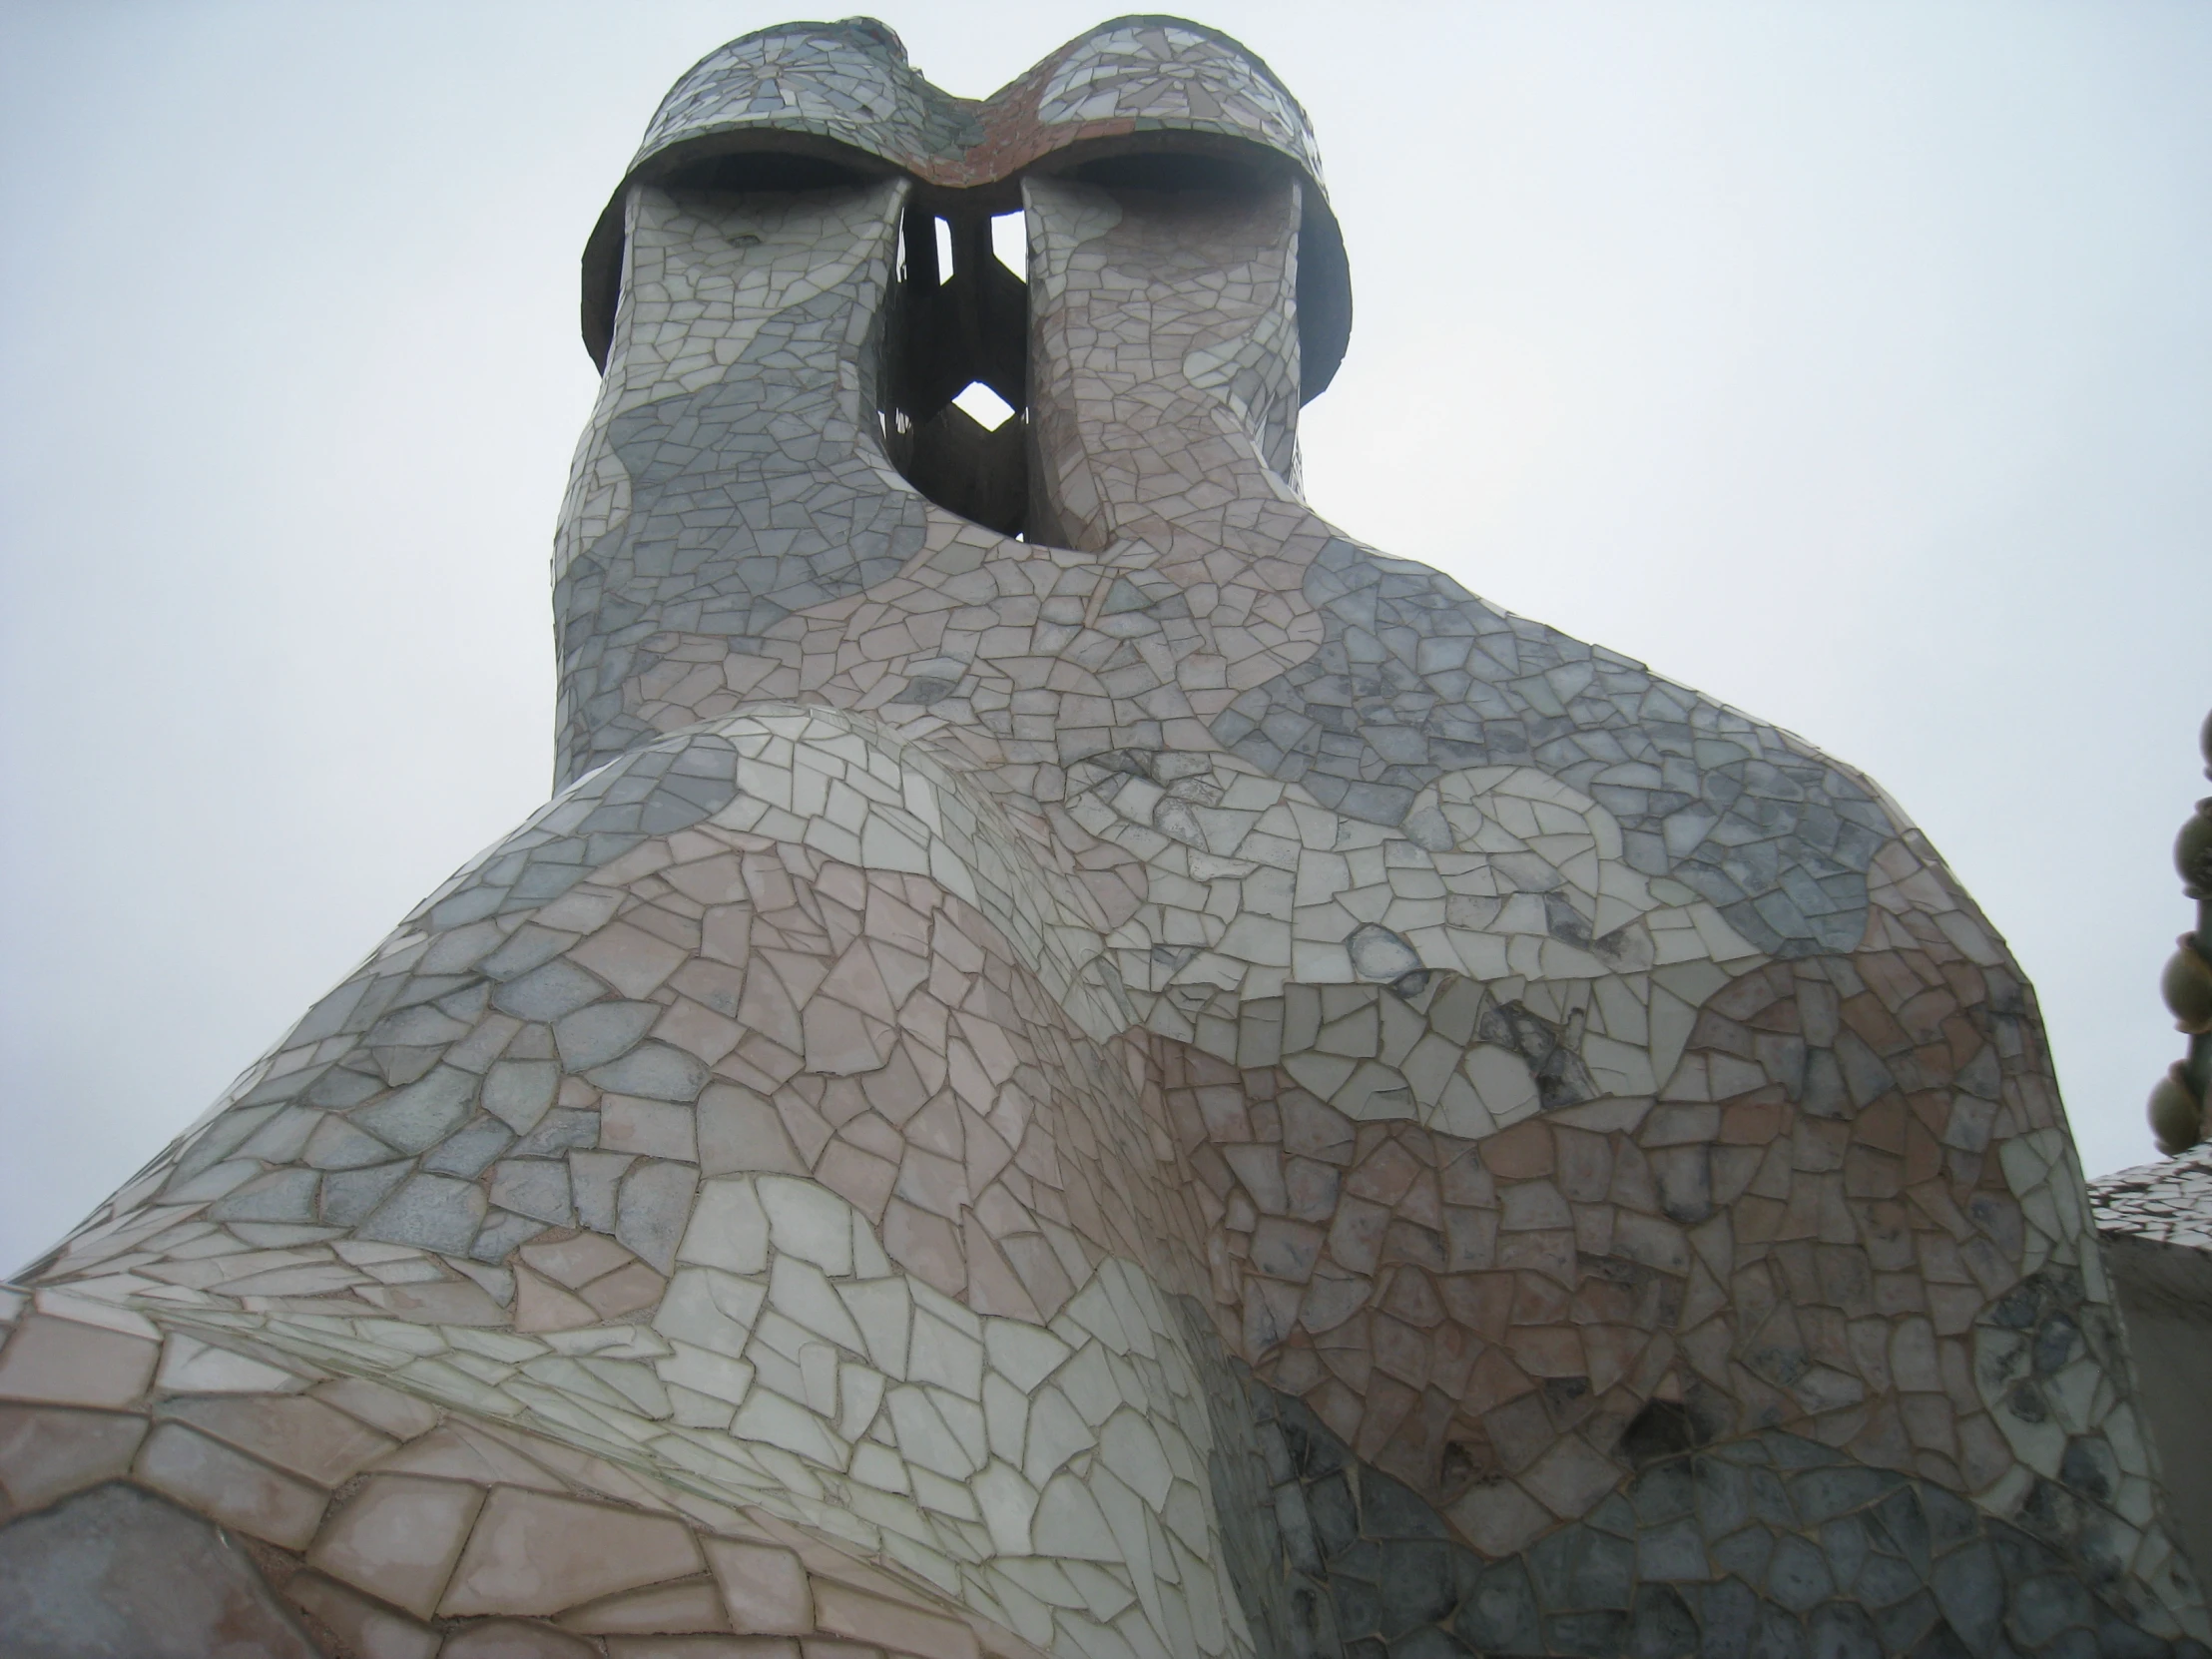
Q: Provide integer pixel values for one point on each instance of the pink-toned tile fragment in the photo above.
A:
(738, 1130)
(229, 1486)
(398, 1537)
(448, 1303)
(657, 1611)
(532, 1553)
(305, 1436)
(75, 1364)
(925, 1246)
(577, 1260)
(832, 1647)
(839, 1041)
(47, 1453)
(541, 1304)
(654, 1128)
(992, 1286)
(513, 1639)
(867, 1619)
(580, 1469)
(765, 1587)
(370, 1629)
(452, 1453)
(400, 1416)
(631, 960)
(624, 1291)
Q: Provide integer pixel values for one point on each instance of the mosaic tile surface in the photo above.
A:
(2161, 1204)
(1164, 1085)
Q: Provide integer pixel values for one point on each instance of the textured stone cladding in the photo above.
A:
(1416, 678)
(1770, 1544)
(1168, 1086)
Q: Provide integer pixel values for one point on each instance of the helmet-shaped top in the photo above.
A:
(843, 93)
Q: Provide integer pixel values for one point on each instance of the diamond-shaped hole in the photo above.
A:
(983, 406)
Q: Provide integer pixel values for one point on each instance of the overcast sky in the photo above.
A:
(1849, 362)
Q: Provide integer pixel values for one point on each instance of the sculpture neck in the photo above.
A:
(743, 461)
(1164, 371)
(729, 474)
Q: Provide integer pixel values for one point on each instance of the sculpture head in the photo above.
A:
(821, 138)
(817, 103)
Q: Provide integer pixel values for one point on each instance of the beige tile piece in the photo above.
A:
(738, 1130)
(398, 1537)
(825, 1562)
(532, 1553)
(448, 1453)
(367, 1628)
(702, 1647)
(765, 1587)
(867, 1619)
(315, 1442)
(577, 1260)
(700, 1030)
(840, 1041)
(48, 1452)
(583, 1472)
(75, 1364)
(655, 1128)
(229, 1486)
(400, 1416)
(74, 1305)
(541, 1304)
(624, 1291)
(714, 877)
(451, 1303)
(191, 1366)
(527, 1460)
(631, 960)
(659, 1609)
(830, 1647)
(513, 1639)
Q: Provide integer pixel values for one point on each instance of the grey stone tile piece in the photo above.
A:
(431, 1211)
(593, 1036)
(116, 1574)
(653, 1203)
(423, 1113)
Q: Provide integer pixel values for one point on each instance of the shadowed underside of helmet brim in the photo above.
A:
(844, 93)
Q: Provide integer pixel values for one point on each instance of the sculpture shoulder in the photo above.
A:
(1415, 677)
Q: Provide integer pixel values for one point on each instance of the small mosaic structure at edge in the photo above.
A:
(1082, 1064)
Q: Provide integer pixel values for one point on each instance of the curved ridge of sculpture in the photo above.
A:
(1167, 1085)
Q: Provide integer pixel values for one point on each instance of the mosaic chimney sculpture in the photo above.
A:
(1083, 1064)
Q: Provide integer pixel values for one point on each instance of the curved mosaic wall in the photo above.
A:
(1166, 1086)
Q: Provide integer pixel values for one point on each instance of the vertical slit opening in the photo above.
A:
(1010, 242)
(955, 414)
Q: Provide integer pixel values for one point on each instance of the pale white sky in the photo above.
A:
(1847, 360)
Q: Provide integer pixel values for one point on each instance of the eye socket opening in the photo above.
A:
(760, 172)
(1170, 171)
(800, 163)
